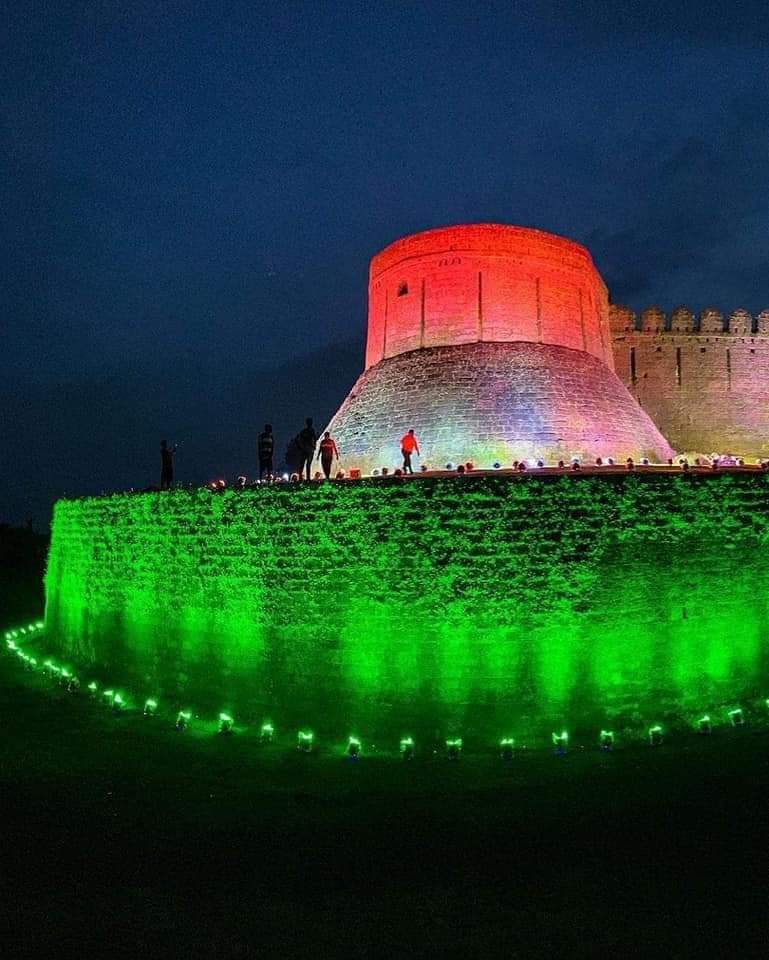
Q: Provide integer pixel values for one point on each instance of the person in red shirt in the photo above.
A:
(408, 446)
(327, 453)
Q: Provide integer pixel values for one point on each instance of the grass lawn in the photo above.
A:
(122, 837)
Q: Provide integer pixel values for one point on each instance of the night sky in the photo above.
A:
(191, 193)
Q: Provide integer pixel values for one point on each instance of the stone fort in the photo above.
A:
(502, 602)
(499, 342)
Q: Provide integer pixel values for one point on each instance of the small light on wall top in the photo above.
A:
(561, 742)
(305, 740)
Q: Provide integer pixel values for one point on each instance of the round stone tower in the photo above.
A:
(492, 342)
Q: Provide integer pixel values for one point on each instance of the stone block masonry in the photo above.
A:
(487, 402)
(485, 282)
(479, 606)
(706, 389)
(493, 343)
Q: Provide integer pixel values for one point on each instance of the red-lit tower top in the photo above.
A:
(485, 282)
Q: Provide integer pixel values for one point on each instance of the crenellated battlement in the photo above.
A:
(703, 379)
(682, 320)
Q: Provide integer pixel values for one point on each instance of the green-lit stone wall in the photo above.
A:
(475, 605)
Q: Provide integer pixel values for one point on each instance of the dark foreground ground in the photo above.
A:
(121, 837)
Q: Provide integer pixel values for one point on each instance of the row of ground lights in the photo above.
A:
(117, 703)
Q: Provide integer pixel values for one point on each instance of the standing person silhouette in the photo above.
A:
(307, 438)
(409, 445)
(167, 464)
(266, 447)
(327, 452)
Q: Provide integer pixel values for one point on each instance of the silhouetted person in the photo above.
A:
(307, 438)
(167, 464)
(409, 445)
(266, 447)
(327, 453)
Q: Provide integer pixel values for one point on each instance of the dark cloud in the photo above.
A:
(693, 205)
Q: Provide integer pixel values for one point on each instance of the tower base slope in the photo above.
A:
(493, 402)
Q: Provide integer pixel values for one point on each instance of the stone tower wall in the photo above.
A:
(488, 402)
(704, 384)
(485, 283)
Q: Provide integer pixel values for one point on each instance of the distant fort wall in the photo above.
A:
(703, 381)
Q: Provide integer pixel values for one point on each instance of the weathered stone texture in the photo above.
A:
(711, 321)
(652, 320)
(682, 320)
(706, 391)
(492, 401)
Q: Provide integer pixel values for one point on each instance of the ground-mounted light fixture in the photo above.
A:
(656, 735)
(305, 740)
(561, 743)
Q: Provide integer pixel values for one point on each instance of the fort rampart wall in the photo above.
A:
(703, 381)
(478, 606)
